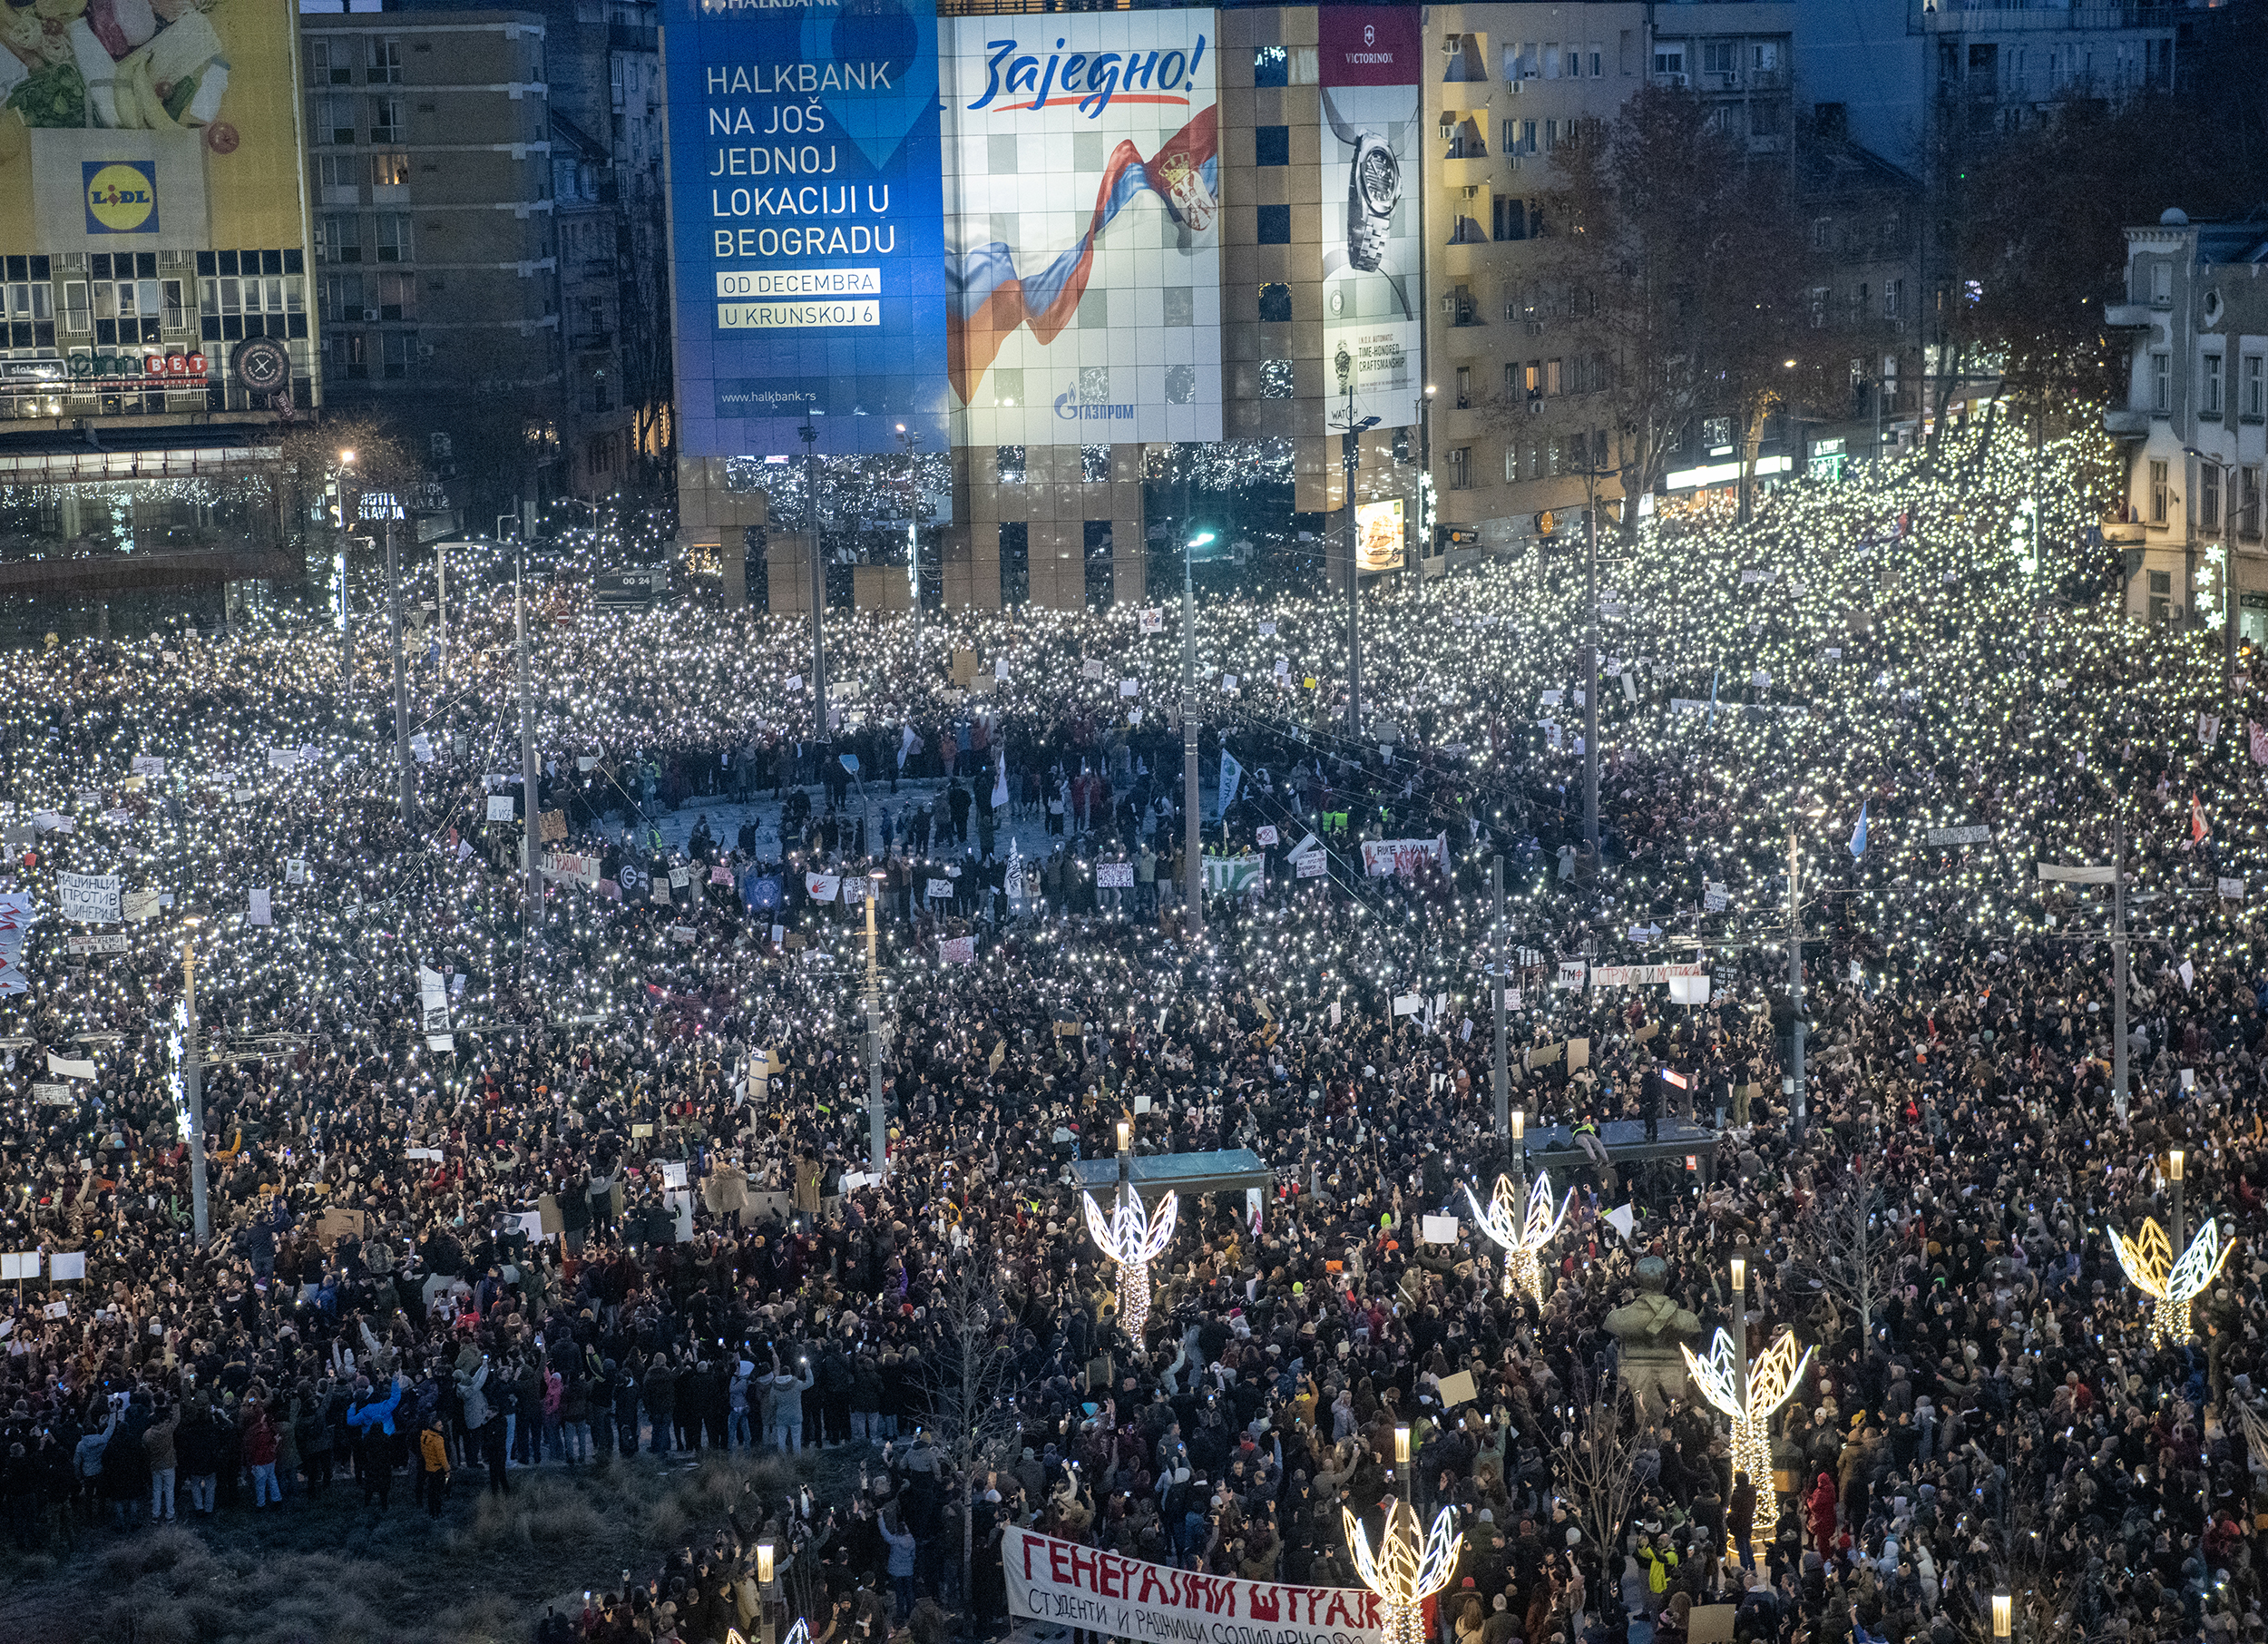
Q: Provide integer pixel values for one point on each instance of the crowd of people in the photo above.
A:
(492, 1189)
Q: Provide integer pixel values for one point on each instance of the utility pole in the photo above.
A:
(1740, 1333)
(2118, 972)
(877, 1119)
(914, 532)
(528, 785)
(401, 683)
(1192, 845)
(1795, 988)
(441, 606)
(1591, 684)
(1501, 1075)
(810, 432)
(1350, 455)
(193, 1090)
(346, 511)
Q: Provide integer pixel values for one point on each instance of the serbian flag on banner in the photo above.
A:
(990, 298)
(2198, 828)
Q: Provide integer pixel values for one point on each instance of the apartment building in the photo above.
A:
(2195, 423)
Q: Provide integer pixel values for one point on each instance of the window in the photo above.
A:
(1597, 61)
(1717, 434)
(2255, 390)
(29, 305)
(340, 179)
(2161, 596)
(1461, 468)
(1670, 62)
(389, 170)
(1527, 136)
(385, 62)
(1893, 299)
(338, 239)
(1094, 464)
(1272, 145)
(328, 63)
(2209, 498)
(1823, 233)
(2248, 500)
(394, 239)
(1464, 387)
(1763, 56)
(1551, 377)
(386, 120)
(1275, 225)
(2209, 388)
(399, 348)
(1015, 562)
(1098, 559)
(1551, 458)
(347, 353)
(1767, 117)
(397, 297)
(1509, 220)
(2158, 492)
(1552, 60)
(1271, 65)
(1551, 135)
(1511, 464)
(1277, 380)
(1008, 464)
(340, 298)
(2161, 285)
(2161, 384)
(1720, 56)
(1276, 303)
(333, 120)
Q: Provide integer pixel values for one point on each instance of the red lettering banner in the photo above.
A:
(1069, 1585)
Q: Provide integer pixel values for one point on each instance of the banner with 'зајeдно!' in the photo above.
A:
(1074, 1586)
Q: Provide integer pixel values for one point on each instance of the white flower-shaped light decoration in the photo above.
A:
(1772, 1377)
(1133, 1238)
(1408, 1569)
(1523, 1236)
(2171, 1286)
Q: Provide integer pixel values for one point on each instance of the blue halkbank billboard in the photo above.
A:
(807, 222)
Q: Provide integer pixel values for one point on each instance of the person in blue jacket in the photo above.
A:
(371, 1420)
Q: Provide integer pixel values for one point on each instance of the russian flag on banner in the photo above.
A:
(989, 298)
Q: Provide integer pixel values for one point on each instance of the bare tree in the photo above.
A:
(1597, 1461)
(970, 1388)
(1847, 1243)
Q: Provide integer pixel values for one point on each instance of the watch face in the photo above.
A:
(1379, 178)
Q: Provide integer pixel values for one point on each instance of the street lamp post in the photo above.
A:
(1350, 458)
(810, 434)
(408, 771)
(914, 532)
(193, 1094)
(1192, 844)
(877, 1123)
(344, 509)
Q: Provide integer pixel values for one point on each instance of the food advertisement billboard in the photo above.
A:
(1368, 69)
(806, 220)
(1082, 206)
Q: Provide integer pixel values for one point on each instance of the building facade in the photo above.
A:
(159, 326)
(2194, 425)
(489, 272)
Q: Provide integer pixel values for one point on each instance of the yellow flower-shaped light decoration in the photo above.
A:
(1408, 1569)
(1772, 1381)
(2171, 1286)
(1133, 1239)
(1522, 1236)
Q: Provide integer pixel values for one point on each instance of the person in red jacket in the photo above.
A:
(259, 1455)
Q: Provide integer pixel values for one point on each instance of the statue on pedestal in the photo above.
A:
(1651, 1328)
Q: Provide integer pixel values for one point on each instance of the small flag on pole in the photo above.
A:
(1858, 834)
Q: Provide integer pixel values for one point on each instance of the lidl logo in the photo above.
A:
(121, 196)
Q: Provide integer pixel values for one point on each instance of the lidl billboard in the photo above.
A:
(806, 219)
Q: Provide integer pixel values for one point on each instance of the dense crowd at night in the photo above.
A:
(495, 1189)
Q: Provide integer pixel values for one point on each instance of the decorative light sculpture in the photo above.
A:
(1409, 1568)
(1523, 1238)
(1748, 1394)
(1133, 1236)
(2171, 1286)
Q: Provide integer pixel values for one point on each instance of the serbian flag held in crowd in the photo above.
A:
(989, 298)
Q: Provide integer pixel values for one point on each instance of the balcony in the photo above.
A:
(2127, 422)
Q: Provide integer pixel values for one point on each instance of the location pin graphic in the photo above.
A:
(875, 118)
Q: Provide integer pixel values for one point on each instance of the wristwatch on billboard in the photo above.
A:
(1374, 188)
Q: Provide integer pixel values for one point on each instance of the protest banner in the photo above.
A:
(957, 950)
(1064, 1584)
(1114, 876)
(88, 898)
(1384, 858)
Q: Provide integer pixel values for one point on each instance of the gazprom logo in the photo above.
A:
(1072, 409)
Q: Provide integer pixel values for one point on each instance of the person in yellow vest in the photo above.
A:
(432, 1476)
